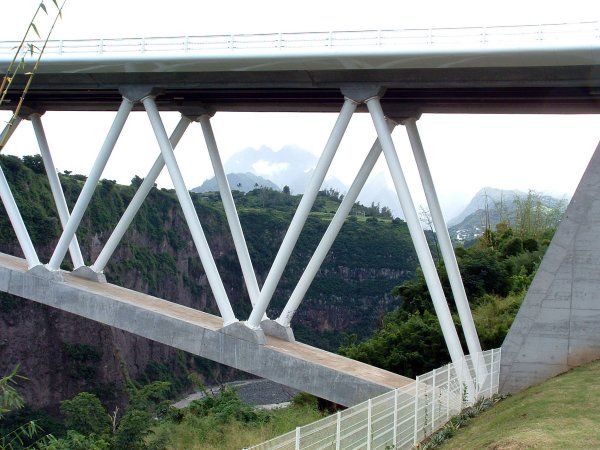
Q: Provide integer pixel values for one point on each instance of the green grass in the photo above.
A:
(206, 433)
(562, 413)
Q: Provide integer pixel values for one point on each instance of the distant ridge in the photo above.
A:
(469, 224)
(244, 182)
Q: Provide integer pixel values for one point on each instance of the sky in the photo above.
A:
(547, 153)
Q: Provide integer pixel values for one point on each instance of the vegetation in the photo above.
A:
(562, 412)
(460, 421)
(496, 270)
(13, 435)
(371, 255)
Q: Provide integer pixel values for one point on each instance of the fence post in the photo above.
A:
(297, 438)
(416, 422)
(433, 397)
(369, 419)
(448, 393)
(492, 375)
(395, 434)
(338, 431)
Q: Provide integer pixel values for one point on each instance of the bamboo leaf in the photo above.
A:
(36, 30)
(55, 3)
(43, 7)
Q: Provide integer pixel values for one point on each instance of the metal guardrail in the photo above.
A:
(400, 418)
(580, 32)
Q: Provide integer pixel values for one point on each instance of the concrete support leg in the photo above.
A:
(308, 199)
(558, 325)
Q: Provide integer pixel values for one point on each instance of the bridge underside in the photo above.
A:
(293, 364)
(556, 89)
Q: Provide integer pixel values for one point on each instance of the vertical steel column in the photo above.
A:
(14, 215)
(416, 232)
(330, 234)
(191, 217)
(55, 186)
(137, 200)
(306, 203)
(441, 229)
(231, 213)
(90, 184)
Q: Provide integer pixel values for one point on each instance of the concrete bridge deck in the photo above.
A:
(297, 365)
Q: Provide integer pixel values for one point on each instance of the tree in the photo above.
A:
(286, 189)
(136, 181)
(85, 414)
(35, 163)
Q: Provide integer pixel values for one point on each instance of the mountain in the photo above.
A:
(244, 182)
(376, 190)
(494, 205)
(288, 166)
(63, 354)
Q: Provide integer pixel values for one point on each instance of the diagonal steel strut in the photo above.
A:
(137, 200)
(302, 212)
(447, 249)
(331, 233)
(432, 279)
(191, 217)
(232, 216)
(90, 184)
(14, 215)
(55, 186)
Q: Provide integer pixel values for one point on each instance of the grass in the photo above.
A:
(561, 413)
(203, 433)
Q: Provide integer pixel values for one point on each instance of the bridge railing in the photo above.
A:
(400, 418)
(563, 33)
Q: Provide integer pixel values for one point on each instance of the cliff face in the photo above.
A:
(63, 354)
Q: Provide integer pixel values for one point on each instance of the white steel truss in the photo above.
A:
(260, 298)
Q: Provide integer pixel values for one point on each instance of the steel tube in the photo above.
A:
(306, 203)
(446, 247)
(330, 234)
(233, 219)
(418, 237)
(137, 200)
(55, 186)
(8, 131)
(14, 215)
(90, 184)
(191, 217)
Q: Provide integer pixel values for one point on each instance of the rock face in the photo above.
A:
(62, 354)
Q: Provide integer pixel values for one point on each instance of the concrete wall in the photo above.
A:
(558, 325)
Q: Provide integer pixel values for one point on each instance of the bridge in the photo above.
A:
(394, 76)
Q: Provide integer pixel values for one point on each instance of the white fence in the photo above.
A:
(563, 33)
(401, 418)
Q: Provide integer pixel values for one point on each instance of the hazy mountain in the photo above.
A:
(470, 223)
(376, 190)
(244, 182)
(288, 166)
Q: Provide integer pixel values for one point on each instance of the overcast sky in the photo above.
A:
(466, 152)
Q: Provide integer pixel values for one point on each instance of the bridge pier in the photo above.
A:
(556, 327)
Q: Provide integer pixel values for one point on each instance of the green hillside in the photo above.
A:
(562, 413)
